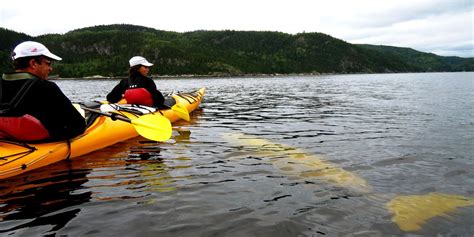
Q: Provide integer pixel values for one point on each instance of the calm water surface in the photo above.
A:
(403, 134)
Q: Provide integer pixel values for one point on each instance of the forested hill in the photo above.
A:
(105, 50)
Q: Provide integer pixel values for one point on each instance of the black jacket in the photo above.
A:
(140, 82)
(46, 102)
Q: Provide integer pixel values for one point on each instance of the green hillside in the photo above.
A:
(426, 61)
(105, 50)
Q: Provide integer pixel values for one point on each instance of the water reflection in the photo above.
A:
(52, 196)
(46, 198)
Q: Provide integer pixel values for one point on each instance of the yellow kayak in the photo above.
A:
(17, 158)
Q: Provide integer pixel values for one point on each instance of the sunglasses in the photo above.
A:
(47, 62)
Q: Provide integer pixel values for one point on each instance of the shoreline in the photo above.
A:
(251, 75)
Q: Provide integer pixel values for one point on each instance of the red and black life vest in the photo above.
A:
(20, 126)
(137, 95)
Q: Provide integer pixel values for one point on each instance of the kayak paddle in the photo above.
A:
(181, 111)
(150, 126)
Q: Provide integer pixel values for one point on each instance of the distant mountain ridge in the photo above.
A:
(105, 50)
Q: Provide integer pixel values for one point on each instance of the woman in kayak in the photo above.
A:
(31, 107)
(138, 88)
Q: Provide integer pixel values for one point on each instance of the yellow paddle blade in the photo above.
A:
(81, 111)
(154, 127)
(411, 212)
(181, 111)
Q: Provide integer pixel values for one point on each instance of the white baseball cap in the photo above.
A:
(139, 60)
(31, 48)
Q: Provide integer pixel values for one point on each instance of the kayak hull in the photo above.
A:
(17, 158)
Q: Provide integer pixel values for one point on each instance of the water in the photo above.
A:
(403, 134)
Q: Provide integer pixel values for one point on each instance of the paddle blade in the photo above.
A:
(153, 127)
(181, 111)
(411, 212)
(80, 110)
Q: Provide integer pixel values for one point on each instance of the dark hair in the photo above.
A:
(24, 62)
(133, 71)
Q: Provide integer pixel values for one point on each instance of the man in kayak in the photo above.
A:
(31, 107)
(138, 88)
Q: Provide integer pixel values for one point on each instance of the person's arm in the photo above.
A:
(117, 92)
(158, 98)
(57, 113)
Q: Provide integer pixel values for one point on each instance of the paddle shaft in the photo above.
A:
(111, 115)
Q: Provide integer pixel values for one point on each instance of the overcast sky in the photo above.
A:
(443, 27)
